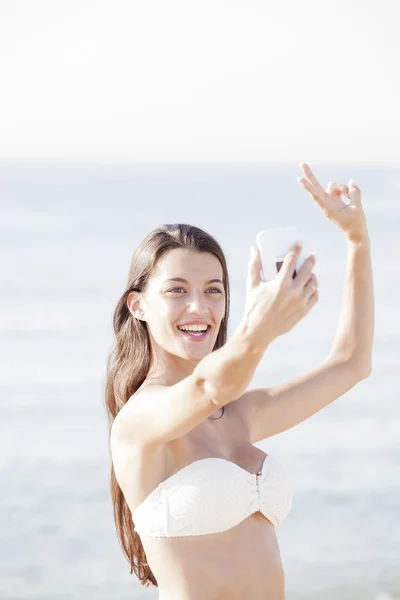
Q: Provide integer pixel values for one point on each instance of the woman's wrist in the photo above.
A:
(358, 238)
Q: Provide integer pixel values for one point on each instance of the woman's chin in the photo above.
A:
(193, 351)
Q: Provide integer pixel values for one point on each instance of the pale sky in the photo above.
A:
(205, 80)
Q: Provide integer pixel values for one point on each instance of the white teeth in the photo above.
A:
(192, 327)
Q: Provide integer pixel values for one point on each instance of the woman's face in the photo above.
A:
(168, 302)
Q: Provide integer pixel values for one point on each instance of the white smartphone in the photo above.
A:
(274, 245)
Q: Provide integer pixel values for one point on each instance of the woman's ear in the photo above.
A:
(134, 304)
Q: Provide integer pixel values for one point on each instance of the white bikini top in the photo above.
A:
(212, 495)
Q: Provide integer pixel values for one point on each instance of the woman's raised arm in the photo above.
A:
(354, 338)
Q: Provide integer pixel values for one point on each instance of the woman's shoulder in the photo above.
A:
(124, 414)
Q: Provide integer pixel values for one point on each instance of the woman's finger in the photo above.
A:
(338, 190)
(311, 178)
(312, 301)
(310, 288)
(254, 267)
(313, 191)
(290, 261)
(355, 194)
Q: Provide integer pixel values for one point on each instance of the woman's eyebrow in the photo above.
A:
(185, 281)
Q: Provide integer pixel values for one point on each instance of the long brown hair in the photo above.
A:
(129, 359)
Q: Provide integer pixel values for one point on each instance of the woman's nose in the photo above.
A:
(198, 303)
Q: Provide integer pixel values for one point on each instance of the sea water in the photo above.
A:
(68, 232)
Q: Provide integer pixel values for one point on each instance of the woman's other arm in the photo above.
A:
(354, 337)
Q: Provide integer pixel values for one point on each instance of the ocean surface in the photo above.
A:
(68, 232)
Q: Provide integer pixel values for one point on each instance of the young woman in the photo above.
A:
(196, 504)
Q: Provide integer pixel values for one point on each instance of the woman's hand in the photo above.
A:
(276, 306)
(350, 218)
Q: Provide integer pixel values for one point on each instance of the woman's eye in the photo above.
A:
(177, 289)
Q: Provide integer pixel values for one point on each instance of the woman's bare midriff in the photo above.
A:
(242, 562)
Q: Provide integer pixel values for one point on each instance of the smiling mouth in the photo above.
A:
(196, 335)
